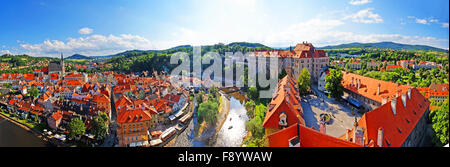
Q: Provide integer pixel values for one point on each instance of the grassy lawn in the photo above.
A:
(30, 124)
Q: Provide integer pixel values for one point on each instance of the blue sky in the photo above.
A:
(101, 27)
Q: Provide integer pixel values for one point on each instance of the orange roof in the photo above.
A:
(369, 86)
(136, 115)
(73, 75)
(54, 76)
(303, 50)
(396, 128)
(29, 76)
(73, 82)
(123, 101)
(101, 98)
(57, 115)
(308, 138)
(392, 67)
(286, 101)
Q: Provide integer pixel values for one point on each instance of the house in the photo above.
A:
(304, 55)
(133, 127)
(54, 120)
(372, 64)
(372, 93)
(401, 122)
(391, 68)
(436, 91)
(285, 108)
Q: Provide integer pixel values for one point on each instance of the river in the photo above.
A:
(12, 135)
(226, 137)
(233, 129)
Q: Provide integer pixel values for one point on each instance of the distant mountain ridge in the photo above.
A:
(247, 44)
(381, 45)
(78, 56)
(385, 45)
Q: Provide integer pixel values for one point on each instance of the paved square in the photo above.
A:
(341, 113)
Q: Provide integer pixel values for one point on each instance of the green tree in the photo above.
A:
(253, 93)
(304, 81)
(200, 95)
(33, 92)
(76, 127)
(207, 112)
(100, 125)
(440, 124)
(333, 84)
(250, 107)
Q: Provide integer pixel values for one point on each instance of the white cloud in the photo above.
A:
(365, 16)
(359, 2)
(322, 33)
(428, 21)
(2, 52)
(85, 31)
(422, 21)
(94, 45)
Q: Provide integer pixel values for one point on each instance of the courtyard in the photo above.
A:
(341, 114)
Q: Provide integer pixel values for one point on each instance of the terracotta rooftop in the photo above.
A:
(395, 127)
(308, 138)
(286, 100)
(369, 86)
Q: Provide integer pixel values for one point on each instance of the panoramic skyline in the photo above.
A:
(46, 28)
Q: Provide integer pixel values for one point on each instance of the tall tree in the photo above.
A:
(100, 125)
(34, 92)
(333, 84)
(253, 93)
(304, 81)
(76, 127)
(440, 124)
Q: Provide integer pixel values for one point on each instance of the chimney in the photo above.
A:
(394, 105)
(404, 99)
(380, 137)
(323, 128)
(353, 82)
(378, 90)
(358, 135)
(409, 93)
(359, 83)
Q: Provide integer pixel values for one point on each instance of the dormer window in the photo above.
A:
(283, 120)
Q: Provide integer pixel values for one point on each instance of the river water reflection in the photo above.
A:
(12, 135)
(233, 129)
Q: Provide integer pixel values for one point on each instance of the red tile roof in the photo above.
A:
(369, 87)
(130, 116)
(308, 138)
(57, 115)
(286, 101)
(396, 128)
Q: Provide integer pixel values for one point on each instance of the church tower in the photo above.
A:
(62, 66)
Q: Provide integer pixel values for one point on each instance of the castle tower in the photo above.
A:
(62, 66)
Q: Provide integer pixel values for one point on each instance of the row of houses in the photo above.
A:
(144, 103)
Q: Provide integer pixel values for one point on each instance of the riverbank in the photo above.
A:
(26, 128)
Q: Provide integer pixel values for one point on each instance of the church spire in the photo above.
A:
(62, 65)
